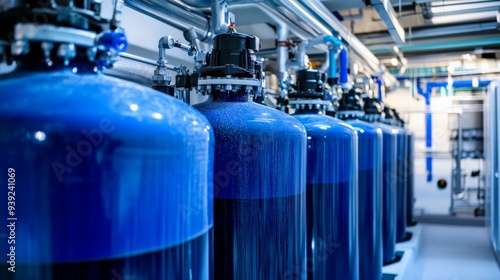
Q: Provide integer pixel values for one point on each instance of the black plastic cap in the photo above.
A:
(170, 90)
(398, 117)
(233, 54)
(371, 106)
(183, 81)
(310, 83)
(351, 101)
(388, 115)
(332, 81)
(333, 110)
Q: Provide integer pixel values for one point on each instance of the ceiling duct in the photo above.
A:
(388, 15)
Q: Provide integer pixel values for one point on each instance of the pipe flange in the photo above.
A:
(207, 85)
(350, 114)
(310, 104)
(372, 117)
(103, 48)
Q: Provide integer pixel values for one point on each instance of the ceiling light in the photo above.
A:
(463, 17)
(449, 7)
(394, 61)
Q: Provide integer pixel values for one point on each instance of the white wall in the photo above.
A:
(428, 197)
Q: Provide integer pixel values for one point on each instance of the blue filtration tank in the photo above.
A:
(332, 182)
(108, 179)
(401, 179)
(370, 163)
(259, 177)
(410, 195)
(389, 174)
(409, 170)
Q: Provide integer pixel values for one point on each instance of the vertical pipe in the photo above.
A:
(380, 88)
(344, 64)
(459, 153)
(334, 45)
(282, 35)
(302, 55)
(220, 17)
(332, 71)
(428, 132)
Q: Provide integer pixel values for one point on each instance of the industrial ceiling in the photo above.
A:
(403, 37)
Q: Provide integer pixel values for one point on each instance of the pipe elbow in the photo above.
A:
(334, 41)
(166, 42)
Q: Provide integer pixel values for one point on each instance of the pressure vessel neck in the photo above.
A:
(230, 96)
(71, 34)
(307, 111)
(32, 62)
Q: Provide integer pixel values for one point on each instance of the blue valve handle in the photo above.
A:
(114, 40)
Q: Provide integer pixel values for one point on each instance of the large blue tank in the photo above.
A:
(402, 178)
(410, 177)
(409, 170)
(332, 182)
(259, 172)
(110, 179)
(389, 139)
(370, 163)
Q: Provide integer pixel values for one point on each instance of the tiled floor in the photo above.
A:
(454, 253)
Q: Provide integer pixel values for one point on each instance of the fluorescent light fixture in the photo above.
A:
(464, 17)
(455, 8)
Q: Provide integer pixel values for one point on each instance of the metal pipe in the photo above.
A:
(220, 18)
(332, 62)
(186, 6)
(325, 15)
(284, 10)
(436, 32)
(301, 12)
(282, 36)
(282, 58)
(326, 65)
(301, 57)
(173, 15)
